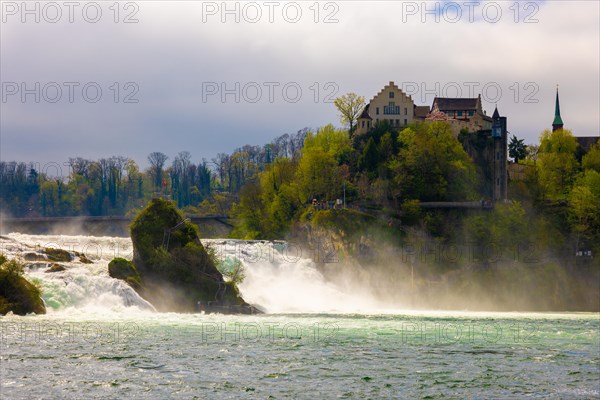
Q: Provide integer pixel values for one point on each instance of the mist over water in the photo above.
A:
(282, 281)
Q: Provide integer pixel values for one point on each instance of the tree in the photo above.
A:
(432, 165)
(180, 179)
(134, 186)
(350, 106)
(369, 158)
(591, 160)
(557, 163)
(157, 162)
(250, 212)
(532, 152)
(317, 175)
(333, 141)
(517, 149)
(584, 206)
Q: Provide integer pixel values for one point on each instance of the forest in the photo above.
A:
(385, 173)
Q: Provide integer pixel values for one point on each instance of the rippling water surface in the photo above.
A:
(159, 356)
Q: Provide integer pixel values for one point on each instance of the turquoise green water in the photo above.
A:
(304, 356)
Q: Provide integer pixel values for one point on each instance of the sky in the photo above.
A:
(98, 79)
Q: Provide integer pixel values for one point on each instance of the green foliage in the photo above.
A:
(348, 223)
(17, 294)
(411, 212)
(269, 204)
(232, 269)
(504, 227)
(318, 175)
(584, 206)
(517, 149)
(330, 140)
(349, 106)
(153, 227)
(387, 147)
(369, 158)
(557, 164)
(591, 160)
(433, 166)
(250, 213)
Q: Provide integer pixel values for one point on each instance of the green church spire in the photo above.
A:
(558, 122)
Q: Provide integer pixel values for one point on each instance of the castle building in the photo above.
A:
(460, 113)
(391, 104)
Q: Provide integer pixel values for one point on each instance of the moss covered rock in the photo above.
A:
(121, 268)
(56, 268)
(174, 267)
(33, 257)
(17, 294)
(83, 259)
(57, 254)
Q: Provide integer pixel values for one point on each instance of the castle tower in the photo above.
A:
(557, 123)
(500, 163)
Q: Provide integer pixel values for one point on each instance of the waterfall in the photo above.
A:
(277, 278)
(84, 286)
(282, 280)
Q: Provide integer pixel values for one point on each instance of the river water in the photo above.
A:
(100, 340)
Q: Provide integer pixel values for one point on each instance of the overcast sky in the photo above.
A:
(195, 76)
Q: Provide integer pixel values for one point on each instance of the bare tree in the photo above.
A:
(157, 161)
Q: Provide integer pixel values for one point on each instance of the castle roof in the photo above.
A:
(421, 111)
(496, 113)
(365, 113)
(456, 103)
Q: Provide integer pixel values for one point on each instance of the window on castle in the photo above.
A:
(397, 122)
(377, 111)
(460, 113)
(405, 111)
(391, 108)
(391, 95)
(363, 124)
(470, 113)
(405, 121)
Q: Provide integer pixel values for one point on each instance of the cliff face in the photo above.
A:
(175, 270)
